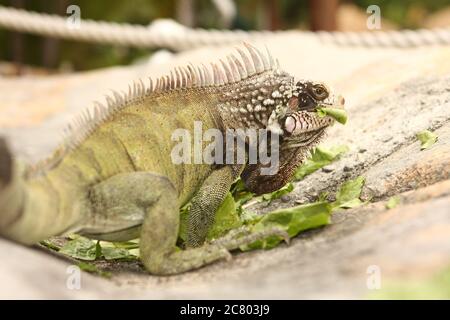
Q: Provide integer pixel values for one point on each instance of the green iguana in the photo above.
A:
(113, 178)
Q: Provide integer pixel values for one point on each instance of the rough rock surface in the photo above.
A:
(391, 95)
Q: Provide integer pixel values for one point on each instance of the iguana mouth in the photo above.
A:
(305, 139)
(297, 124)
(306, 127)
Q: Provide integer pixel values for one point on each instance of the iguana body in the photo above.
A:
(114, 178)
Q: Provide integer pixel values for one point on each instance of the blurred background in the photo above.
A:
(25, 53)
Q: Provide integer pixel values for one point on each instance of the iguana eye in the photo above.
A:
(319, 92)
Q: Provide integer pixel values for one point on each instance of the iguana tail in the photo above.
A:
(29, 208)
(11, 189)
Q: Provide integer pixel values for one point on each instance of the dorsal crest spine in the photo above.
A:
(250, 62)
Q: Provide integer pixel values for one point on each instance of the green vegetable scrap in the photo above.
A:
(81, 248)
(113, 251)
(320, 157)
(240, 194)
(393, 202)
(91, 268)
(292, 220)
(85, 249)
(348, 194)
(50, 245)
(279, 193)
(426, 138)
(303, 217)
(340, 115)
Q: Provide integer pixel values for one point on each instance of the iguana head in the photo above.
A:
(301, 124)
(300, 127)
(262, 96)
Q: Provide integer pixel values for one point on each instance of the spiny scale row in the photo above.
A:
(233, 70)
(225, 72)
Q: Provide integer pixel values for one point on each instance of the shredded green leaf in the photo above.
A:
(426, 138)
(393, 202)
(50, 245)
(320, 157)
(81, 248)
(129, 245)
(293, 220)
(348, 194)
(340, 115)
(89, 267)
(88, 250)
(279, 193)
(113, 251)
(248, 217)
(240, 194)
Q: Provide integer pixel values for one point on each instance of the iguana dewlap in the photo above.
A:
(114, 178)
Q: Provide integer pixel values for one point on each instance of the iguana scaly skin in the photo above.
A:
(114, 179)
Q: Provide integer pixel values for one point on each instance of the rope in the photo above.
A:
(169, 34)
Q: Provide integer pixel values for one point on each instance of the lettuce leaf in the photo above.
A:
(340, 115)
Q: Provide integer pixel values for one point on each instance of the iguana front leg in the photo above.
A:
(204, 206)
(128, 196)
(206, 202)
